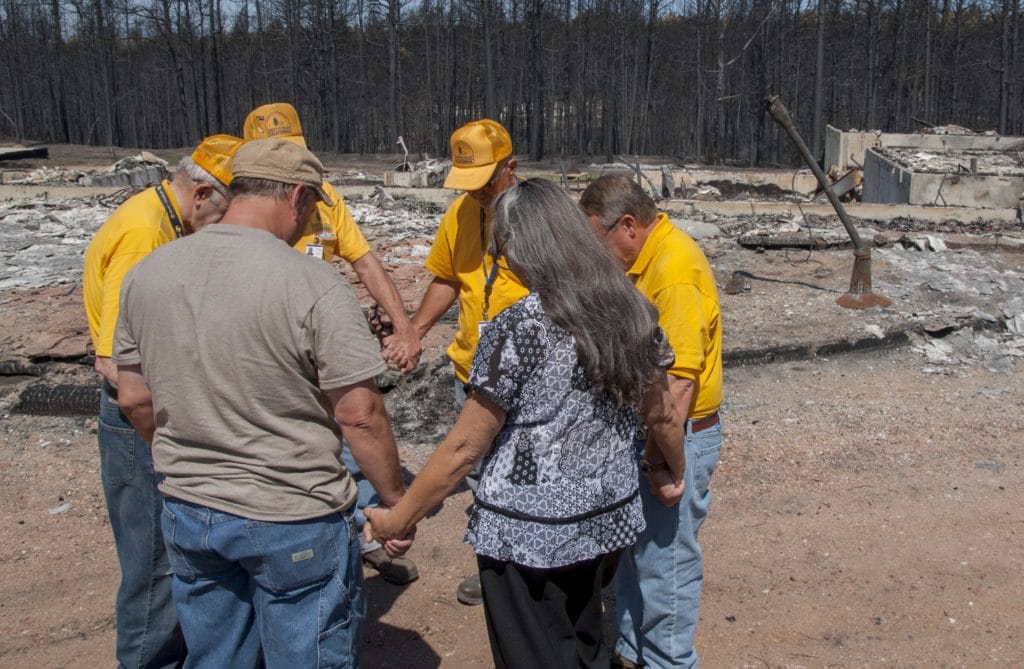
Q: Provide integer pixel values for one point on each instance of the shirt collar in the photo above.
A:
(659, 231)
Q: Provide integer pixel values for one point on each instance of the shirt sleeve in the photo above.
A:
(510, 349)
(682, 317)
(350, 243)
(346, 352)
(133, 247)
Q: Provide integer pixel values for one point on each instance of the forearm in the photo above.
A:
(666, 425)
(136, 401)
(453, 459)
(107, 369)
(371, 272)
(373, 446)
(448, 465)
(438, 299)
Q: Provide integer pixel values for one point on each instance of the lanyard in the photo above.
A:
(489, 276)
(169, 208)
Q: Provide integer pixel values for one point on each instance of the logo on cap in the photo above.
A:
(463, 154)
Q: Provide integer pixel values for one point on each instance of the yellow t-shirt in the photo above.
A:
(673, 273)
(349, 242)
(138, 226)
(457, 254)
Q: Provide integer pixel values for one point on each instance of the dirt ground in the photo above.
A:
(868, 507)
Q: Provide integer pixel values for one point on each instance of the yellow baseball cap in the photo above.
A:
(277, 119)
(214, 155)
(477, 148)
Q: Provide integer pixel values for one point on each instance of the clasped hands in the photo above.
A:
(400, 349)
(381, 526)
(665, 488)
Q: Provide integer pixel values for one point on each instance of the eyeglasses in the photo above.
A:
(607, 230)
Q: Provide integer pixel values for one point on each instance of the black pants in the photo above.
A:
(543, 617)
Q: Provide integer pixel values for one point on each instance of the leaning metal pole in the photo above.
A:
(860, 295)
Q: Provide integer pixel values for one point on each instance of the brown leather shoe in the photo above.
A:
(400, 570)
(619, 662)
(470, 593)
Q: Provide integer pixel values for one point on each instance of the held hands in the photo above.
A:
(381, 526)
(667, 490)
(400, 349)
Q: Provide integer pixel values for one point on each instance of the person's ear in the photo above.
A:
(200, 194)
(630, 224)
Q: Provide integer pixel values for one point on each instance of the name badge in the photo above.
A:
(315, 250)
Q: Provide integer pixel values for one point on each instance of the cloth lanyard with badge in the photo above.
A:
(322, 246)
(161, 193)
(489, 276)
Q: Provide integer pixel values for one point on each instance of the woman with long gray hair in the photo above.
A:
(561, 385)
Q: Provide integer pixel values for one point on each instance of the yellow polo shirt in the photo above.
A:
(673, 273)
(349, 242)
(138, 226)
(457, 254)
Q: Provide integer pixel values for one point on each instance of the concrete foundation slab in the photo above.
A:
(844, 150)
(983, 179)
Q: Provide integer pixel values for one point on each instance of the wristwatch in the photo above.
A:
(646, 468)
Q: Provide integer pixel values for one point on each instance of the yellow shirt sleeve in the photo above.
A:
(132, 247)
(682, 316)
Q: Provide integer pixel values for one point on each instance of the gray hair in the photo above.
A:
(199, 175)
(255, 187)
(552, 248)
(613, 196)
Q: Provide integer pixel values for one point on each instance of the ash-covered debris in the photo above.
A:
(995, 351)
(980, 162)
(395, 226)
(42, 242)
(46, 176)
(421, 404)
(143, 169)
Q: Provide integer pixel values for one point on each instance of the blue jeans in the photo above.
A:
(367, 497)
(294, 590)
(658, 582)
(148, 634)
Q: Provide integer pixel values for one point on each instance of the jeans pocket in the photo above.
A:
(707, 447)
(117, 452)
(295, 555)
(343, 608)
(180, 565)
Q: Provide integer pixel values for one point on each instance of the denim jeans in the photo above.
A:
(148, 634)
(367, 497)
(658, 582)
(293, 590)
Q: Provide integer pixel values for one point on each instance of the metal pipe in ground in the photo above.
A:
(860, 295)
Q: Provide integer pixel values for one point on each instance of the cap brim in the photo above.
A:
(469, 178)
(324, 197)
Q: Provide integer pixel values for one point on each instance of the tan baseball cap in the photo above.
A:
(214, 155)
(277, 119)
(477, 148)
(280, 160)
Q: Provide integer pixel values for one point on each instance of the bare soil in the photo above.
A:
(868, 511)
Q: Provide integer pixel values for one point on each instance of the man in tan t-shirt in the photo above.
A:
(239, 360)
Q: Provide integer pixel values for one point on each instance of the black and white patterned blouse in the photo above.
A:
(559, 485)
